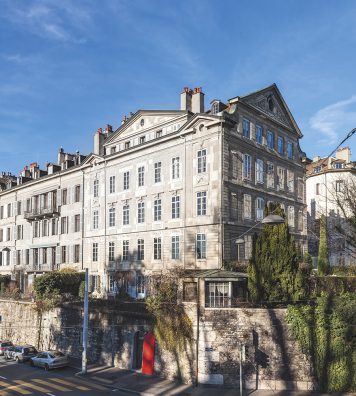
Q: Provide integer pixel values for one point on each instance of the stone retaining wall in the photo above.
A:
(265, 333)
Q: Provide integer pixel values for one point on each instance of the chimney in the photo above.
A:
(99, 142)
(61, 156)
(186, 99)
(108, 128)
(124, 119)
(198, 101)
(344, 154)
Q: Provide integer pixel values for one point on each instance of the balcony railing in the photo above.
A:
(42, 267)
(40, 213)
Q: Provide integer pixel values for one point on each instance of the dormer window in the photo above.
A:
(338, 165)
(142, 122)
(271, 104)
(112, 150)
(215, 108)
(142, 139)
(158, 133)
(127, 145)
(317, 169)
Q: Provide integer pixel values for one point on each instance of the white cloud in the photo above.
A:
(335, 120)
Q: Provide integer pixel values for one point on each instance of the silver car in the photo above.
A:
(50, 360)
(20, 353)
(4, 345)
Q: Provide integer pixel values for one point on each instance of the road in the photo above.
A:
(21, 379)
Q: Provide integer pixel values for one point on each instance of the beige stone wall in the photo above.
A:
(111, 341)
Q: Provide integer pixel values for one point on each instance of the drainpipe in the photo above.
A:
(222, 247)
(197, 340)
(82, 219)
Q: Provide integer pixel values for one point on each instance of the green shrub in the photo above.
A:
(58, 283)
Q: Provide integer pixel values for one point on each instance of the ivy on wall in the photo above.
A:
(326, 332)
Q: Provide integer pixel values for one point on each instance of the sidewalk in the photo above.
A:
(139, 384)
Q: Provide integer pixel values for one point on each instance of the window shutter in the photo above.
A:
(59, 197)
(58, 255)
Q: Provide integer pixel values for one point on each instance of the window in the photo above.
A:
(338, 165)
(127, 145)
(339, 184)
(290, 150)
(157, 248)
(76, 253)
(140, 249)
(44, 255)
(202, 161)
(281, 177)
(64, 254)
(175, 247)
(77, 223)
(141, 176)
(158, 168)
(2, 212)
(18, 257)
(201, 246)
(217, 294)
(112, 217)
(111, 283)
(64, 225)
(201, 203)
(215, 108)
(259, 208)
(9, 210)
(259, 171)
(247, 166)
(270, 139)
(95, 251)
(54, 227)
(112, 184)
(190, 292)
(157, 209)
(125, 250)
(28, 205)
(175, 168)
(270, 175)
(19, 232)
(126, 180)
(247, 206)
(142, 139)
(176, 207)
(19, 207)
(290, 181)
(126, 214)
(111, 251)
(259, 131)
(317, 188)
(77, 193)
(113, 150)
(95, 219)
(158, 134)
(300, 188)
(246, 128)
(45, 228)
(9, 232)
(291, 216)
(96, 188)
(300, 220)
(317, 169)
(280, 145)
(141, 212)
(64, 196)
(1, 236)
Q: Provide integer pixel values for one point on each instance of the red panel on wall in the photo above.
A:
(148, 356)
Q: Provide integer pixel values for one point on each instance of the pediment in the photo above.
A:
(144, 121)
(272, 104)
(92, 159)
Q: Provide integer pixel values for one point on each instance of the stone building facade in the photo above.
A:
(325, 181)
(167, 189)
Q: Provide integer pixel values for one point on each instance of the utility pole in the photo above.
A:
(85, 323)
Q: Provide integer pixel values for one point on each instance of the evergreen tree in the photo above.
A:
(323, 261)
(273, 271)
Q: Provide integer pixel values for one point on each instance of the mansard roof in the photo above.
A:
(271, 103)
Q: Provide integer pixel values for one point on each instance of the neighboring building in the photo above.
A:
(325, 180)
(167, 189)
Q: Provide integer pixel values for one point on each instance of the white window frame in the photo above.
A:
(260, 204)
(140, 212)
(247, 212)
(259, 171)
(157, 248)
(201, 246)
(175, 168)
(112, 216)
(95, 189)
(126, 214)
(140, 249)
(141, 176)
(175, 247)
(126, 184)
(201, 203)
(157, 209)
(95, 220)
(158, 171)
(201, 156)
(112, 184)
(175, 206)
(125, 250)
(111, 251)
(247, 165)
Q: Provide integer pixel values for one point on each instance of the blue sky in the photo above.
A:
(70, 67)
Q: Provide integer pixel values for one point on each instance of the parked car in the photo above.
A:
(21, 353)
(50, 360)
(3, 346)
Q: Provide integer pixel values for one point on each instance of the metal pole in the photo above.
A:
(85, 323)
(240, 368)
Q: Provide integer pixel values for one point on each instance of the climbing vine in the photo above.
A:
(326, 332)
(172, 326)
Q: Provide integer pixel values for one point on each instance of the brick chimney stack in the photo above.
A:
(186, 99)
(198, 100)
(99, 142)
